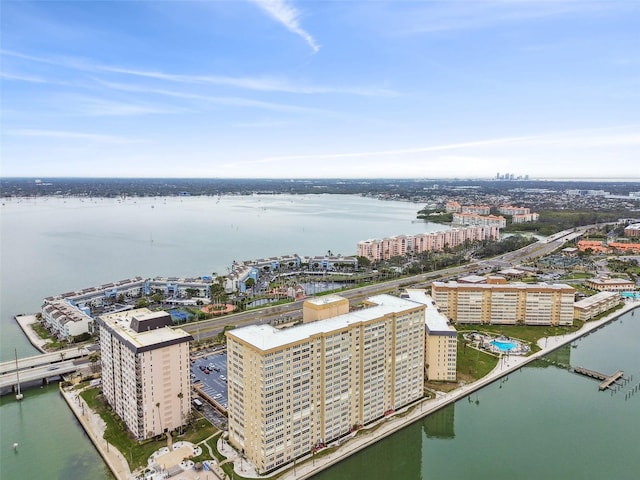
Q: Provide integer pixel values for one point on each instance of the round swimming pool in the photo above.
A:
(503, 346)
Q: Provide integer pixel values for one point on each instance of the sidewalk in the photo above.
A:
(309, 467)
(94, 426)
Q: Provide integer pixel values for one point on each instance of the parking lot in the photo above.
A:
(209, 376)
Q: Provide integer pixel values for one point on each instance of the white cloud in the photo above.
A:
(68, 135)
(286, 14)
(257, 83)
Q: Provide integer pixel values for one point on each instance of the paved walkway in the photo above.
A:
(307, 467)
(95, 428)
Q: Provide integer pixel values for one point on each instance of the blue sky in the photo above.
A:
(297, 89)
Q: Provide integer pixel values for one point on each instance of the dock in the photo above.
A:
(606, 380)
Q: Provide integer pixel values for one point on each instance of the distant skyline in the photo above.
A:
(322, 89)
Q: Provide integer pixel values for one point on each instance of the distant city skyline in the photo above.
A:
(293, 89)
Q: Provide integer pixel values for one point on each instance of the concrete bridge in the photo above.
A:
(41, 367)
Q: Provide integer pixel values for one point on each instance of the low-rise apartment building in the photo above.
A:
(441, 339)
(506, 304)
(607, 284)
(592, 306)
(295, 389)
(65, 320)
(145, 370)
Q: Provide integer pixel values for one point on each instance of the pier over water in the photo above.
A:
(606, 380)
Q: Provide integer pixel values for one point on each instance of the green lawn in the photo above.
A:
(530, 334)
(136, 452)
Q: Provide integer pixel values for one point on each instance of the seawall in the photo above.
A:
(419, 410)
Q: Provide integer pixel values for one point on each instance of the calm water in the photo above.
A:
(542, 423)
(50, 246)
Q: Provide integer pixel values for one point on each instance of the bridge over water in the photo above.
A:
(41, 367)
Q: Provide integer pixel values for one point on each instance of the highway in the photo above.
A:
(293, 311)
(41, 372)
(43, 359)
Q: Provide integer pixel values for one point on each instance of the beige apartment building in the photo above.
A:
(401, 245)
(475, 219)
(506, 304)
(145, 370)
(295, 389)
(607, 284)
(592, 306)
(441, 339)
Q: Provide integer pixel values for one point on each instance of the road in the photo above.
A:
(293, 311)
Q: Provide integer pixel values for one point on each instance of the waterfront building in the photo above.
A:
(441, 339)
(401, 245)
(145, 370)
(475, 219)
(452, 206)
(476, 209)
(77, 304)
(296, 389)
(608, 284)
(592, 306)
(506, 304)
(65, 320)
(237, 279)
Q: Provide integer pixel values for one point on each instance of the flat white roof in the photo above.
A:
(324, 300)
(266, 337)
(594, 299)
(473, 279)
(120, 322)
(435, 321)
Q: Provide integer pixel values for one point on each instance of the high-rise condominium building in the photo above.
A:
(145, 370)
(507, 304)
(291, 390)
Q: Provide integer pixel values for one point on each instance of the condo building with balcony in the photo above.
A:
(145, 370)
(592, 306)
(293, 390)
(441, 339)
(384, 249)
(505, 303)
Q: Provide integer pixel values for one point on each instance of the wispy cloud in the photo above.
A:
(68, 135)
(593, 138)
(228, 100)
(257, 83)
(430, 17)
(283, 12)
(22, 78)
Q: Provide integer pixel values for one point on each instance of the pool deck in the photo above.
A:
(307, 466)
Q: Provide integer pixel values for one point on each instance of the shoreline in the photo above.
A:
(94, 427)
(24, 322)
(353, 443)
(421, 409)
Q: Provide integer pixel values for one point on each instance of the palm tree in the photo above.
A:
(159, 418)
(181, 396)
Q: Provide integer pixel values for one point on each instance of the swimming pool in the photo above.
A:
(503, 346)
(630, 295)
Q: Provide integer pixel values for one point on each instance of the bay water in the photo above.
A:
(540, 422)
